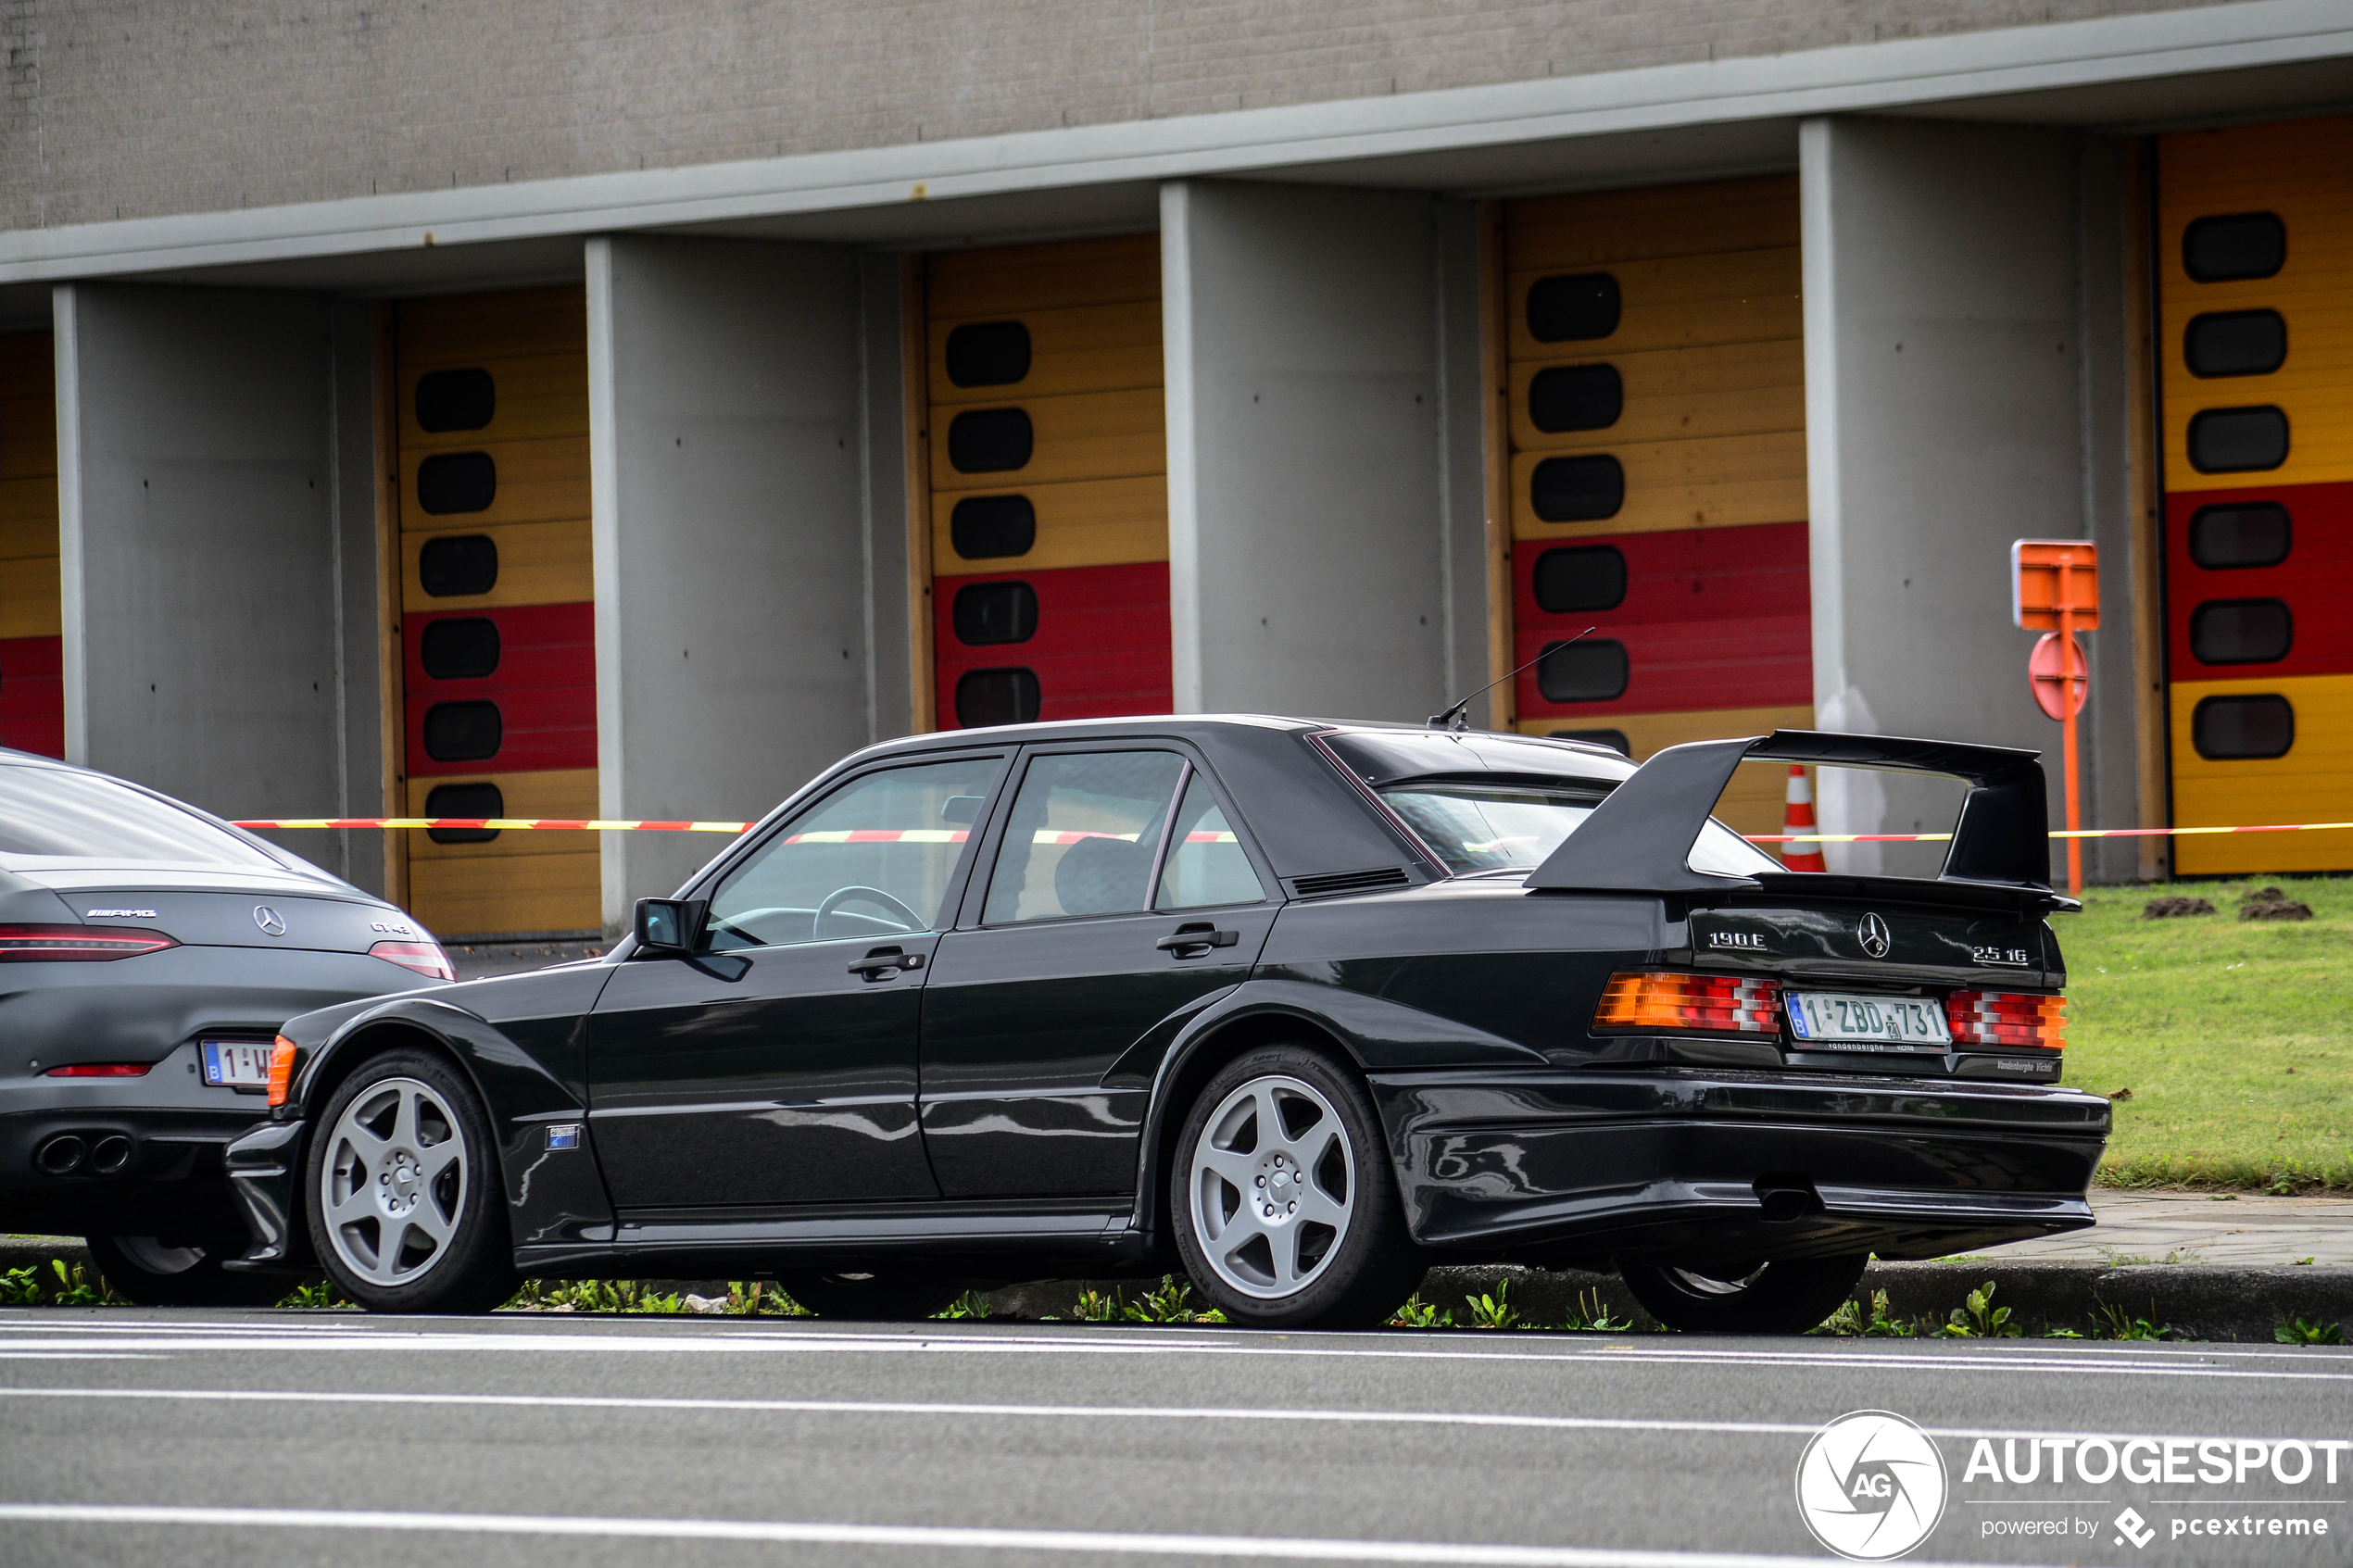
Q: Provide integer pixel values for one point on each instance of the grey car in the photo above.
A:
(148, 953)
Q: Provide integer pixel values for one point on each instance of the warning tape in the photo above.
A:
(847, 835)
(2056, 833)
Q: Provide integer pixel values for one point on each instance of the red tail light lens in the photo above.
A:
(281, 1066)
(2008, 1020)
(425, 958)
(100, 1069)
(1713, 1004)
(77, 943)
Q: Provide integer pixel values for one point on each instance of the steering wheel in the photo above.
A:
(840, 896)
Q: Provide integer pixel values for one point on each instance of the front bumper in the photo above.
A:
(263, 1166)
(1692, 1165)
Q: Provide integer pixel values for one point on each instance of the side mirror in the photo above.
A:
(670, 927)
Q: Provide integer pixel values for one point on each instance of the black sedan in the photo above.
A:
(1295, 1006)
(148, 953)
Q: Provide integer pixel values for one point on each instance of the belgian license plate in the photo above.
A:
(236, 1064)
(1844, 1022)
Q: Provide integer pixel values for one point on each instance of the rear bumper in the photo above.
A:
(1679, 1165)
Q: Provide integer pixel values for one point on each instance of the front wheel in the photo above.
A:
(1789, 1296)
(179, 1272)
(884, 1298)
(405, 1206)
(1283, 1200)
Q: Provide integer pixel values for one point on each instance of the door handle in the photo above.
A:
(885, 961)
(1192, 941)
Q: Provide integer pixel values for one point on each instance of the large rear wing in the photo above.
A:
(1639, 838)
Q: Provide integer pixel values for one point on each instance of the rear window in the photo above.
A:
(1479, 827)
(51, 813)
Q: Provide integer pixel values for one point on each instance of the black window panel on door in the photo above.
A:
(447, 400)
(996, 696)
(992, 527)
(779, 1066)
(989, 354)
(1614, 739)
(2253, 728)
(984, 613)
(463, 647)
(2238, 440)
(459, 565)
(991, 441)
(1577, 489)
(2241, 632)
(463, 731)
(2239, 244)
(476, 800)
(2234, 343)
(1580, 577)
(2242, 533)
(1569, 397)
(1586, 672)
(1082, 836)
(1572, 307)
(450, 482)
(1205, 864)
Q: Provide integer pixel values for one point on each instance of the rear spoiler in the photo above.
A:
(1639, 839)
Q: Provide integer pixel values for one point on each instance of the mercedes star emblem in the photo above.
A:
(1875, 936)
(273, 923)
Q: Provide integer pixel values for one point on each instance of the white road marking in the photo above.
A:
(929, 1537)
(1056, 1413)
(76, 1356)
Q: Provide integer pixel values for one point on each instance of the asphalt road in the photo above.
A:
(284, 1437)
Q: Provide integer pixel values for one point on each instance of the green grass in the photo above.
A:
(2234, 1038)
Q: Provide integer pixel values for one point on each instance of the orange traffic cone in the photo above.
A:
(1798, 816)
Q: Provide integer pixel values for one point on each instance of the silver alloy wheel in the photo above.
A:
(394, 1182)
(148, 1253)
(1274, 1186)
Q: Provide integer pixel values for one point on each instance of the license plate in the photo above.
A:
(1842, 1021)
(236, 1064)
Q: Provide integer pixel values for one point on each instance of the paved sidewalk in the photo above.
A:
(2245, 1230)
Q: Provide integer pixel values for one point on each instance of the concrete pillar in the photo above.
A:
(199, 556)
(727, 469)
(1945, 400)
(1308, 561)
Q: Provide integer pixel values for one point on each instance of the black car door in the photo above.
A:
(1105, 912)
(777, 1065)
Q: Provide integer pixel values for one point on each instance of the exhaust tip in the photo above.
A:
(1787, 1199)
(61, 1155)
(110, 1154)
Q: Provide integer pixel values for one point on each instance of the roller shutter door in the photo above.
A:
(496, 629)
(2253, 258)
(1656, 390)
(32, 709)
(1048, 472)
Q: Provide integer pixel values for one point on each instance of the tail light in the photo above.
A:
(2012, 1019)
(424, 958)
(281, 1066)
(100, 1069)
(77, 943)
(1713, 1004)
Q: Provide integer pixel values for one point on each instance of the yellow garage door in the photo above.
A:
(2254, 278)
(1656, 390)
(33, 708)
(497, 627)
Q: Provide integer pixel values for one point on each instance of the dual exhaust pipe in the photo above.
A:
(85, 1154)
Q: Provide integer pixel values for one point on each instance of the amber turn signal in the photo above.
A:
(281, 1066)
(2011, 1020)
(1713, 1004)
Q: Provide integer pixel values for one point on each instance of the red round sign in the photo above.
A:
(2042, 670)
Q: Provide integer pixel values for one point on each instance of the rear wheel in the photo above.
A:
(175, 1271)
(873, 1297)
(1283, 1200)
(405, 1206)
(1789, 1296)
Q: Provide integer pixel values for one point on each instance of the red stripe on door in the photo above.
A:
(1100, 647)
(544, 687)
(2314, 580)
(32, 696)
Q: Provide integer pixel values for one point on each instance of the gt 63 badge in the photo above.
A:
(1872, 1486)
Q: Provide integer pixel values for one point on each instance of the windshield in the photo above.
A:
(1494, 827)
(58, 814)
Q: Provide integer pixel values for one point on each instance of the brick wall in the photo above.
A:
(135, 107)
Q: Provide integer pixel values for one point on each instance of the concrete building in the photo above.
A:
(567, 410)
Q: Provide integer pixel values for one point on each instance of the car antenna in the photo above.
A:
(1457, 717)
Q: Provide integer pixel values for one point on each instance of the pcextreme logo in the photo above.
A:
(1872, 1486)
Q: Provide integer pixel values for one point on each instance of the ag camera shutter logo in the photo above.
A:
(1872, 1486)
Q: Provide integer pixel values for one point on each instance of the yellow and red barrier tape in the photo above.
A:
(580, 825)
(2056, 833)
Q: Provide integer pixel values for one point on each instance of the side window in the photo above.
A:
(874, 858)
(1082, 835)
(1206, 861)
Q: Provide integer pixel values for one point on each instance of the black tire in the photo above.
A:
(182, 1272)
(870, 1298)
(471, 1268)
(1787, 1297)
(1351, 1276)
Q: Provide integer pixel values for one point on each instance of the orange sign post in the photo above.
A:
(2054, 589)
